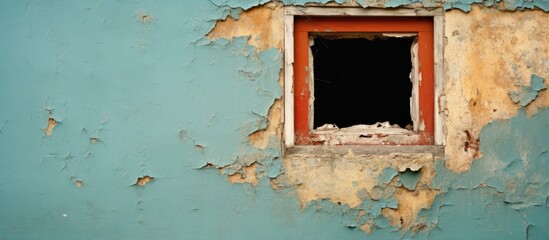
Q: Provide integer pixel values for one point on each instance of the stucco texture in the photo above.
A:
(162, 120)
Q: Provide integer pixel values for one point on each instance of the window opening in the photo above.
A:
(361, 79)
(358, 71)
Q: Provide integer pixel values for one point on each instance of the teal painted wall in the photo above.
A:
(134, 87)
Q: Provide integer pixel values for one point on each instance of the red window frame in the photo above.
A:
(422, 26)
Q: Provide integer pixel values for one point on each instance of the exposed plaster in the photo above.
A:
(463, 5)
(515, 157)
(272, 134)
(410, 203)
(357, 180)
(145, 18)
(79, 183)
(263, 25)
(48, 130)
(50, 126)
(144, 180)
(479, 73)
(249, 176)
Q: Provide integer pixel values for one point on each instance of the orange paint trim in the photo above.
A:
(423, 26)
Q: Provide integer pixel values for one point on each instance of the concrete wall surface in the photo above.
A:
(163, 120)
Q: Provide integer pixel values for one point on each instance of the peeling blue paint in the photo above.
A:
(528, 93)
(465, 5)
(474, 213)
(410, 178)
(515, 161)
(387, 174)
(303, 2)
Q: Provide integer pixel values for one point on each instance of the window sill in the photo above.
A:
(435, 150)
(376, 134)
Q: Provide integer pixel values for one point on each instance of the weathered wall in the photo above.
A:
(163, 120)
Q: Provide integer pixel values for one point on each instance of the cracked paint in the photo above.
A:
(346, 179)
(528, 93)
(249, 176)
(264, 26)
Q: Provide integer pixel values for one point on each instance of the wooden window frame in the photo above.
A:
(301, 22)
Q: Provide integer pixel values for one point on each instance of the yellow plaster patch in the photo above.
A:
(409, 205)
(340, 179)
(488, 53)
(79, 183)
(264, 25)
(261, 138)
(48, 130)
(367, 227)
(249, 176)
(50, 126)
(142, 181)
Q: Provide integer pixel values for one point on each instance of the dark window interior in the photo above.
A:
(361, 81)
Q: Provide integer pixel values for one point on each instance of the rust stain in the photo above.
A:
(48, 130)
(472, 144)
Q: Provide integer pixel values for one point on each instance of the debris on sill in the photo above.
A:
(378, 133)
(379, 127)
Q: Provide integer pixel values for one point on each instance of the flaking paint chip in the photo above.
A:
(51, 125)
(145, 18)
(142, 181)
(79, 183)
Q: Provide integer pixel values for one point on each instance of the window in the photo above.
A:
(360, 80)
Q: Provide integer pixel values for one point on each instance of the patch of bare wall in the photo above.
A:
(488, 53)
